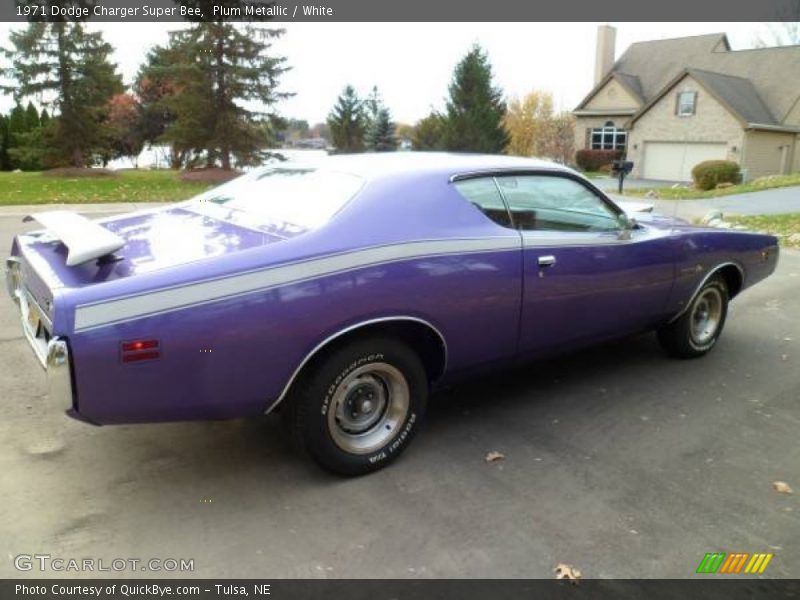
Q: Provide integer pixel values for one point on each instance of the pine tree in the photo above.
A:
(429, 133)
(64, 60)
(381, 134)
(5, 140)
(31, 117)
(219, 71)
(347, 122)
(475, 108)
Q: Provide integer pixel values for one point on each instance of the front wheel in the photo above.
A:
(697, 330)
(360, 407)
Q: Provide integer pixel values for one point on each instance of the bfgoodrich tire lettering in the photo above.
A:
(697, 330)
(360, 407)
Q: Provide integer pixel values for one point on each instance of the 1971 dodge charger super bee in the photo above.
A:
(339, 292)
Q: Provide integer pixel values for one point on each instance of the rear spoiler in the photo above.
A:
(85, 240)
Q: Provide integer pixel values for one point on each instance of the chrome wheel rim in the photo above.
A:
(368, 408)
(706, 316)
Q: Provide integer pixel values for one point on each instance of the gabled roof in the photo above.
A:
(738, 94)
(773, 73)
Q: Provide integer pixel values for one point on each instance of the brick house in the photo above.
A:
(670, 104)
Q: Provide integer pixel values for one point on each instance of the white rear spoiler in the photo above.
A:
(85, 240)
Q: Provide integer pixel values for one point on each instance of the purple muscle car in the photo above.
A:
(340, 292)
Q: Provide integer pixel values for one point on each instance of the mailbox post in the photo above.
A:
(621, 168)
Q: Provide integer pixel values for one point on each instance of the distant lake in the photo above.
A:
(157, 157)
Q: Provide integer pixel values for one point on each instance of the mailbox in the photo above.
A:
(621, 168)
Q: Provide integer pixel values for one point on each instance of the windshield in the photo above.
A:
(305, 198)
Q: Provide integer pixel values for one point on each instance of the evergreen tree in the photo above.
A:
(5, 141)
(429, 133)
(31, 117)
(64, 60)
(44, 118)
(381, 133)
(216, 70)
(347, 122)
(475, 108)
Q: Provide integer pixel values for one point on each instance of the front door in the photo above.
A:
(586, 277)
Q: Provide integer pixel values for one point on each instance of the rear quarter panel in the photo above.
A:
(233, 356)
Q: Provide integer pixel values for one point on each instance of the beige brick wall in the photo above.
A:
(613, 95)
(711, 123)
(763, 153)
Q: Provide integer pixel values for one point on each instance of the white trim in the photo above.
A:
(350, 329)
(104, 313)
(705, 279)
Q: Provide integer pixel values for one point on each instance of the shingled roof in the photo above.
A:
(760, 85)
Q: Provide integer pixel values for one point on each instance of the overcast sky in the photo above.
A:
(411, 63)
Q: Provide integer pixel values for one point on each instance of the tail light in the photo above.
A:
(140, 350)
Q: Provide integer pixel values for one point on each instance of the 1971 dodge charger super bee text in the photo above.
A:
(339, 292)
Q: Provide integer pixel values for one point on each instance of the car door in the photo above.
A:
(587, 275)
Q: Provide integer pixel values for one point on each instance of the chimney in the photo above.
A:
(604, 55)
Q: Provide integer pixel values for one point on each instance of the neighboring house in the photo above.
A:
(670, 104)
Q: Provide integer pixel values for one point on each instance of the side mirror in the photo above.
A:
(626, 225)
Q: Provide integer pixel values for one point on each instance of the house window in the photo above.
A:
(608, 137)
(687, 102)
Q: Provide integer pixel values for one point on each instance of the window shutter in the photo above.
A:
(677, 102)
(694, 103)
(588, 142)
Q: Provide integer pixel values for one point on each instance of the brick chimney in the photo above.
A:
(604, 55)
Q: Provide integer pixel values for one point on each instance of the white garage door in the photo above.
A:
(673, 161)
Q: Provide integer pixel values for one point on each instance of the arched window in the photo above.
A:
(609, 137)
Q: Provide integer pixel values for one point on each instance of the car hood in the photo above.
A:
(158, 239)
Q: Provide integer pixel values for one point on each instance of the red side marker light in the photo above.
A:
(139, 350)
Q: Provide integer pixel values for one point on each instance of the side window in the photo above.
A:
(483, 194)
(548, 203)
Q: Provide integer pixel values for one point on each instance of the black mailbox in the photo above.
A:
(621, 168)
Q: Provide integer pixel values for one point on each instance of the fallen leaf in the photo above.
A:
(569, 572)
(494, 456)
(781, 487)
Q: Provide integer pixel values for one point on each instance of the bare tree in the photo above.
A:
(778, 34)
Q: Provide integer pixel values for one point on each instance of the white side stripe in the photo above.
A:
(90, 316)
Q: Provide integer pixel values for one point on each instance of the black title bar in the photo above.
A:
(398, 11)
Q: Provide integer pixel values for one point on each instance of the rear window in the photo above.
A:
(306, 198)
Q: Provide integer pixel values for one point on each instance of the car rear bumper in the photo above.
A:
(52, 352)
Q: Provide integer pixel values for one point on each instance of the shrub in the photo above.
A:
(708, 174)
(594, 160)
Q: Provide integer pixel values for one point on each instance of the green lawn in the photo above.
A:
(126, 186)
(786, 227)
(685, 193)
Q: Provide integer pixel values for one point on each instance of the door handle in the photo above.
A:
(547, 261)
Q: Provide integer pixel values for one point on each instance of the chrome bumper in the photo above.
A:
(52, 352)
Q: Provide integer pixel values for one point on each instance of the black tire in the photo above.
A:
(690, 336)
(326, 413)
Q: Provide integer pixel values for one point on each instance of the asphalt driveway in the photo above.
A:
(618, 461)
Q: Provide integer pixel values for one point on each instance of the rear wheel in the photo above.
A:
(697, 330)
(358, 409)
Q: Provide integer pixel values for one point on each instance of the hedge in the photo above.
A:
(594, 160)
(709, 174)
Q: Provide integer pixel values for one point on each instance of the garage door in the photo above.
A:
(673, 161)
